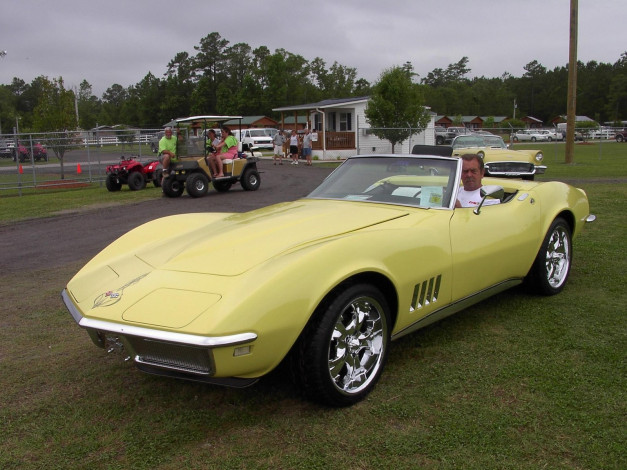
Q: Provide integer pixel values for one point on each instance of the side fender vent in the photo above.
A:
(425, 293)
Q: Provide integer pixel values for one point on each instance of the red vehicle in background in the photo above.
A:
(132, 172)
(40, 152)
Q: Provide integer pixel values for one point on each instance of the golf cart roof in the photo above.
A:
(207, 118)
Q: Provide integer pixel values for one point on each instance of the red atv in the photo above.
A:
(132, 172)
(40, 152)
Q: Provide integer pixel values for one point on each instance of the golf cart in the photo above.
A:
(192, 171)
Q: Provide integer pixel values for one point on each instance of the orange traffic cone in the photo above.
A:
(21, 170)
(78, 169)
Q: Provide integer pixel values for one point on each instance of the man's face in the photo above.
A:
(471, 175)
(168, 133)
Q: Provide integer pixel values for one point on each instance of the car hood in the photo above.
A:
(230, 244)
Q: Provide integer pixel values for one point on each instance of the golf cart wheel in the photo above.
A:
(250, 180)
(197, 185)
(172, 187)
(136, 181)
(112, 183)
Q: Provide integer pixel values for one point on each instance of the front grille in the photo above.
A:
(505, 168)
(171, 356)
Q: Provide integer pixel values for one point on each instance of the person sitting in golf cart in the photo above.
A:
(225, 150)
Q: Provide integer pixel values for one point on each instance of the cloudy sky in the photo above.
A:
(120, 41)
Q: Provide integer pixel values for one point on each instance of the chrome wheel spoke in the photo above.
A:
(357, 344)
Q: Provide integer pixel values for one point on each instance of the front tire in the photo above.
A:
(551, 268)
(112, 183)
(250, 180)
(197, 185)
(342, 352)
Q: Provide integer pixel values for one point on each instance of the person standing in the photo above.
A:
(307, 139)
(294, 147)
(278, 140)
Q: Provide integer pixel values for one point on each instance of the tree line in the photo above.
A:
(236, 79)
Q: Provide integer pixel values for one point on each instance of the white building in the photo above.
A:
(342, 129)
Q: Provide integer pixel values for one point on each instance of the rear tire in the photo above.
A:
(136, 181)
(551, 268)
(250, 180)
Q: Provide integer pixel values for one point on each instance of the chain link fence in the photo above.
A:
(68, 159)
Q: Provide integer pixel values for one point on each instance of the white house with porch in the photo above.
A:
(342, 129)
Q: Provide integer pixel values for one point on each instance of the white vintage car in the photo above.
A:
(530, 135)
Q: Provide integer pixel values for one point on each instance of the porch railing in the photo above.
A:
(336, 140)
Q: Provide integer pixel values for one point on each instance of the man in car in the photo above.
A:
(167, 150)
(472, 174)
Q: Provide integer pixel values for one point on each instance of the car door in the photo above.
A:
(498, 244)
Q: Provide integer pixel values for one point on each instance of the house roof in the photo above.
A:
(331, 103)
(531, 118)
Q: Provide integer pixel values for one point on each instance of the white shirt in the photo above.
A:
(473, 198)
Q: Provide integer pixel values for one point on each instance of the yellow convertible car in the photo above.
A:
(498, 158)
(377, 251)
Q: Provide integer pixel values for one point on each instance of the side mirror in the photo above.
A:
(493, 191)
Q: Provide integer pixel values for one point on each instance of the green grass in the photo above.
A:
(516, 382)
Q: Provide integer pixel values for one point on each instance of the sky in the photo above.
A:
(121, 41)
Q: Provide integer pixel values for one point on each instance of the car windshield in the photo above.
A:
(258, 133)
(494, 142)
(425, 182)
(468, 141)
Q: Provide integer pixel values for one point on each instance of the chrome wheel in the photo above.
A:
(551, 267)
(358, 342)
(557, 261)
(341, 354)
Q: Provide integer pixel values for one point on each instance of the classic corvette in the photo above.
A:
(498, 158)
(377, 251)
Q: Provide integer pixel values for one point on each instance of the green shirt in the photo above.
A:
(229, 142)
(167, 144)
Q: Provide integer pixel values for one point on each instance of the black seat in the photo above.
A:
(439, 150)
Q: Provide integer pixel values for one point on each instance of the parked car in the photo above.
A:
(551, 135)
(5, 151)
(441, 135)
(621, 136)
(500, 160)
(529, 135)
(446, 135)
(255, 137)
(220, 298)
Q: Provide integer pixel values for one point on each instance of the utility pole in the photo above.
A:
(571, 104)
